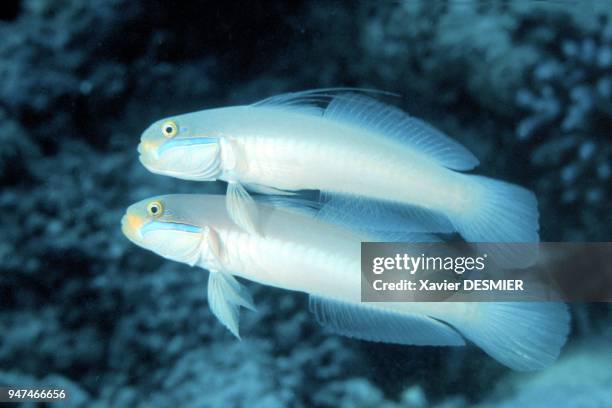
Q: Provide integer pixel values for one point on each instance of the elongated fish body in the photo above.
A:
(319, 154)
(368, 158)
(282, 256)
(296, 250)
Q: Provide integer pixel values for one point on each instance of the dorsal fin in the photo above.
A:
(361, 213)
(405, 226)
(290, 204)
(365, 112)
(353, 106)
(313, 98)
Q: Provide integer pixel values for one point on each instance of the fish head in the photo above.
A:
(184, 146)
(161, 224)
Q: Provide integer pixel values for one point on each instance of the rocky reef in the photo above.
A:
(526, 85)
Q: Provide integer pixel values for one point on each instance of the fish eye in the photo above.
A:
(155, 208)
(169, 128)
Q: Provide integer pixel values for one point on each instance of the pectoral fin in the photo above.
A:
(214, 249)
(225, 296)
(241, 207)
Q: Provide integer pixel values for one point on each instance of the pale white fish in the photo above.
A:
(367, 157)
(298, 251)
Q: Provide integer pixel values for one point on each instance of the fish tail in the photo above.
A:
(525, 336)
(500, 213)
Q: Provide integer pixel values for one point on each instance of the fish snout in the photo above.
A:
(131, 224)
(147, 151)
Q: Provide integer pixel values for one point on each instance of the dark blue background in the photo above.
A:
(526, 85)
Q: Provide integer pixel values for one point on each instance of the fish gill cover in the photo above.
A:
(524, 85)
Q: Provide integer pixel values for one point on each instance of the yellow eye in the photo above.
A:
(155, 208)
(169, 128)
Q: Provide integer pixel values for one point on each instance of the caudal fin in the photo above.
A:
(525, 336)
(500, 213)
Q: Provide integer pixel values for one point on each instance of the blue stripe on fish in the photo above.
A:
(170, 144)
(162, 225)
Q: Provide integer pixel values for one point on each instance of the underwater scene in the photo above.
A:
(185, 188)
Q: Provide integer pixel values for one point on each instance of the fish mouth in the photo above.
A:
(147, 157)
(131, 225)
(141, 154)
(124, 226)
(141, 149)
(147, 149)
